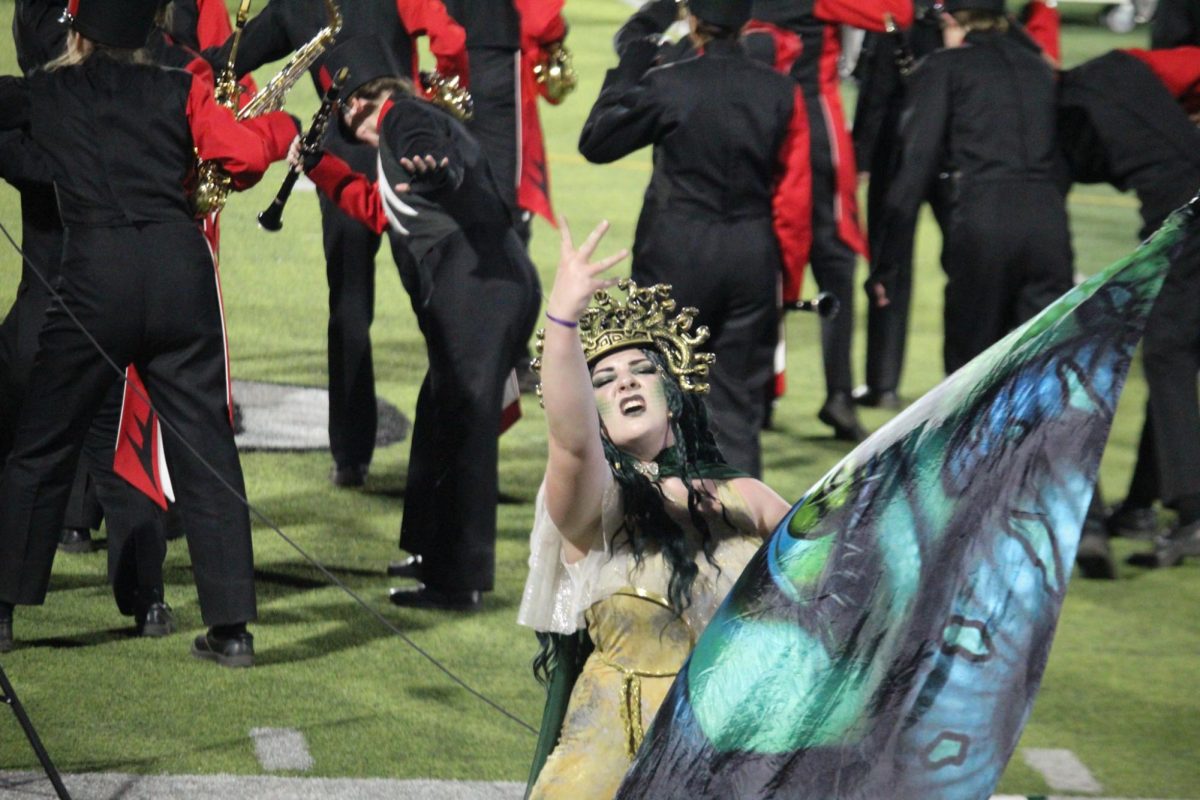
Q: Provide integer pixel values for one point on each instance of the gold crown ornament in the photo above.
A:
(643, 320)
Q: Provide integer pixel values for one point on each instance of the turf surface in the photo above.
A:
(1119, 689)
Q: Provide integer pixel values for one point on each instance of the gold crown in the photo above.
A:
(642, 321)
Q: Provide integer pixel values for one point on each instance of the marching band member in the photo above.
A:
(137, 276)
(350, 247)
(802, 40)
(983, 108)
(1128, 118)
(474, 292)
(724, 203)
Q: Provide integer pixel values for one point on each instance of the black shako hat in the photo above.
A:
(995, 6)
(365, 57)
(726, 13)
(115, 23)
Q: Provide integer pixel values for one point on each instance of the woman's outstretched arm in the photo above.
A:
(576, 470)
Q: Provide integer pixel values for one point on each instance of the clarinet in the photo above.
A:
(902, 51)
(271, 219)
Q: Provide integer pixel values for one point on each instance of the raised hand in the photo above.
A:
(578, 278)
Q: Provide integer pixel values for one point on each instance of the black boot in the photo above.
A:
(75, 540)
(152, 616)
(1094, 556)
(840, 414)
(228, 645)
(1170, 550)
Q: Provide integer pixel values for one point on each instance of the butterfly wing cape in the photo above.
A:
(888, 641)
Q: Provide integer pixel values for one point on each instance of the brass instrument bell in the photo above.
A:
(448, 93)
(555, 73)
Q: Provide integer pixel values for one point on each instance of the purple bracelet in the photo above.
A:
(565, 323)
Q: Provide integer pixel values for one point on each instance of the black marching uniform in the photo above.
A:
(137, 274)
(474, 292)
(1120, 125)
(350, 247)
(136, 542)
(984, 113)
(835, 238)
(719, 124)
(494, 49)
(882, 70)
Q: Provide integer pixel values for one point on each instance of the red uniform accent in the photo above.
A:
(788, 47)
(212, 24)
(865, 14)
(139, 437)
(841, 145)
(792, 202)
(447, 39)
(350, 190)
(243, 149)
(542, 24)
(1042, 23)
(1179, 70)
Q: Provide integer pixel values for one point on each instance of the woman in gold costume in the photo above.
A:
(641, 527)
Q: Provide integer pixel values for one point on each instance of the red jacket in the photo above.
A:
(542, 24)
(823, 82)
(1179, 70)
(447, 39)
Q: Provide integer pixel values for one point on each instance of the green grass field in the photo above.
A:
(1119, 690)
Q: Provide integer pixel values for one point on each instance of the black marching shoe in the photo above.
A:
(1170, 550)
(1132, 522)
(839, 413)
(156, 621)
(437, 599)
(876, 398)
(405, 568)
(350, 476)
(1094, 557)
(232, 649)
(6, 634)
(75, 540)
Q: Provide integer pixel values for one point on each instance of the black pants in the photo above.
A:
(1007, 255)
(136, 546)
(887, 326)
(833, 261)
(148, 295)
(137, 543)
(728, 270)
(350, 249)
(496, 122)
(18, 346)
(477, 309)
(1171, 358)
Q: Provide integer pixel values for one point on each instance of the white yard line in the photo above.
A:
(1062, 769)
(115, 786)
(281, 749)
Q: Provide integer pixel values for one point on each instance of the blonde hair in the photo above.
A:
(76, 51)
(79, 49)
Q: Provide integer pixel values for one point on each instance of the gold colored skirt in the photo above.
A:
(640, 646)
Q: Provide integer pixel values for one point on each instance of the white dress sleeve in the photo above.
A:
(556, 593)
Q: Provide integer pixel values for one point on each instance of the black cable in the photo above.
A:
(259, 515)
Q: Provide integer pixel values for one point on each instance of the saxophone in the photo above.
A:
(272, 95)
(213, 185)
